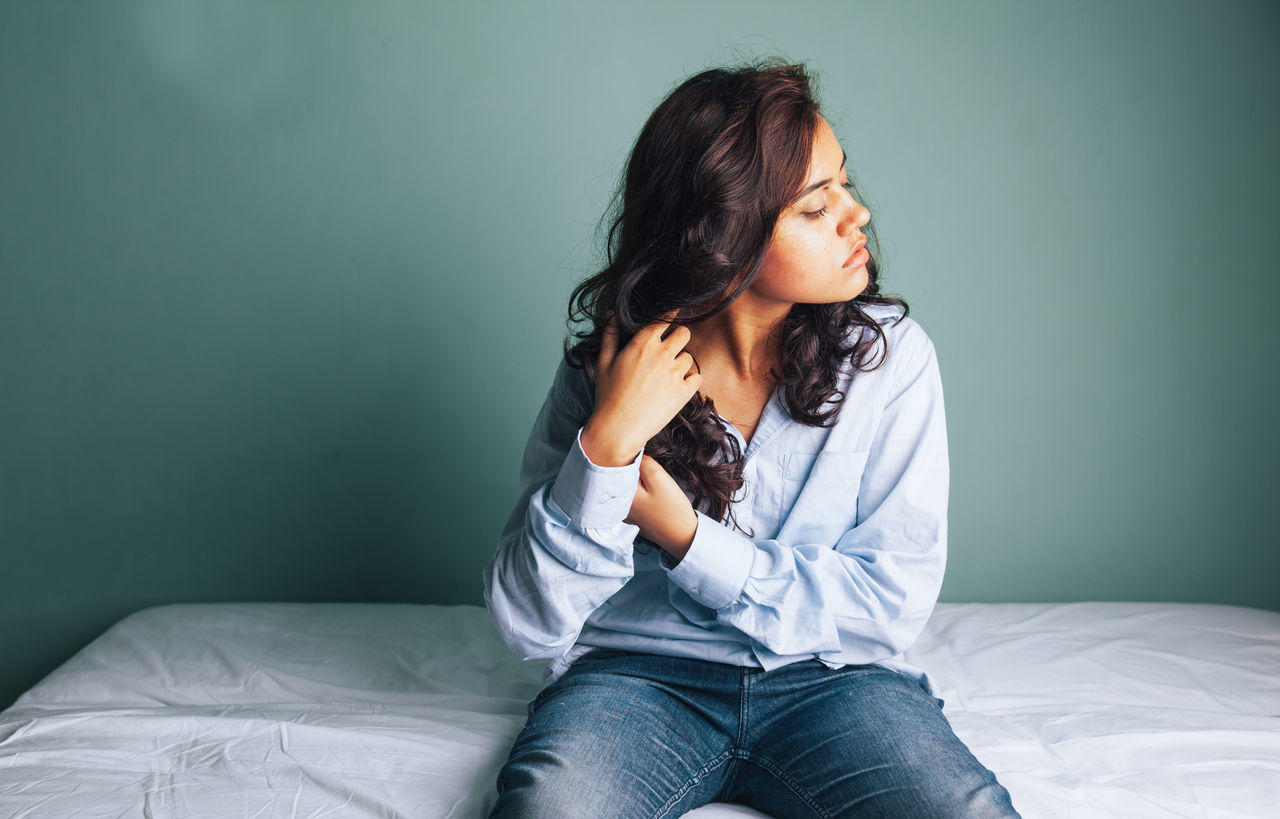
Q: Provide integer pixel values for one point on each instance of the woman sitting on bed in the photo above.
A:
(733, 518)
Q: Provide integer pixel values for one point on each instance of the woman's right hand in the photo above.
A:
(638, 390)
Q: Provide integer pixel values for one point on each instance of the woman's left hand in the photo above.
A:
(662, 511)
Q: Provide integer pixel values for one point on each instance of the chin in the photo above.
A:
(859, 283)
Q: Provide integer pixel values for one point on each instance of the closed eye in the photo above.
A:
(822, 211)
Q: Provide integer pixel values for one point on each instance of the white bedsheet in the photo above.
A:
(345, 710)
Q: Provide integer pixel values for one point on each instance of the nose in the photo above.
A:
(854, 216)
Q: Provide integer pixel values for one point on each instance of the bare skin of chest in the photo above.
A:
(740, 402)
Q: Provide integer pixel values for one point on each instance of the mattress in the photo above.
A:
(362, 710)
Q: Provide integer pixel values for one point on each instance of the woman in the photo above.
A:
(733, 517)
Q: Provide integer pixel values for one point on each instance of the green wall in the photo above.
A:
(283, 284)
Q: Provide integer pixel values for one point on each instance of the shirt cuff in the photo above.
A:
(715, 569)
(595, 497)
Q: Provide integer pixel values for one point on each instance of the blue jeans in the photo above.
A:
(635, 735)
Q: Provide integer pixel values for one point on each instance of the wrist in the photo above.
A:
(603, 448)
(680, 538)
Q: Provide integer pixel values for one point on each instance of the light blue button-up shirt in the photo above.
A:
(841, 560)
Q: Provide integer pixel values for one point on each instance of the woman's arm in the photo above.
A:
(567, 548)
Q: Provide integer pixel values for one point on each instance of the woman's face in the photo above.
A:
(817, 253)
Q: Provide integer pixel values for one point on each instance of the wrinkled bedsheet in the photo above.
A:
(366, 710)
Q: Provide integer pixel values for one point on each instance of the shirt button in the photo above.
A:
(694, 590)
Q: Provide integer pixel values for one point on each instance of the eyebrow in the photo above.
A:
(822, 184)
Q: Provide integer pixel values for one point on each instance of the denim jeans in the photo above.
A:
(634, 735)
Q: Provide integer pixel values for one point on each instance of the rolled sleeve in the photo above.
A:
(715, 569)
(594, 497)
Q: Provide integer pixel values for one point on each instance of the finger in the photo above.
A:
(666, 323)
(651, 333)
(678, 337)
(657, 480)
(644, 482)
(608, 343)
(656, 330)
(691, 366)
(651, 474)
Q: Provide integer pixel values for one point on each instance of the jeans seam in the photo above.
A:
(781, 774)
(688, 785)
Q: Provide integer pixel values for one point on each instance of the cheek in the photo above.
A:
(777, 274)
(785, 251)
(798, 259)
(796, 266)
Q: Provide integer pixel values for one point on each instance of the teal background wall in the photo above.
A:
(283, 284)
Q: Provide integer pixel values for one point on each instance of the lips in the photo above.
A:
(859, 256)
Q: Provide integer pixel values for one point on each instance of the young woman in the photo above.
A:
(733, 517)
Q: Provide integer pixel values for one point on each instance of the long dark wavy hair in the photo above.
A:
(717, 162)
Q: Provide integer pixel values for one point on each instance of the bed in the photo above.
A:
(363, 710)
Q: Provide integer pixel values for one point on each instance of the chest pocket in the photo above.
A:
(820, 494)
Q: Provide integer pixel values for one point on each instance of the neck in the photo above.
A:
(745, 337)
